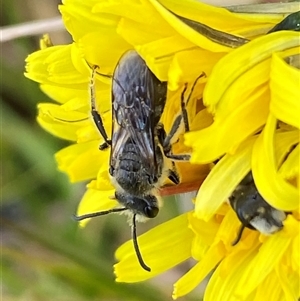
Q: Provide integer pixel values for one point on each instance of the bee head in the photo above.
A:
(146, 205)
(254, 212)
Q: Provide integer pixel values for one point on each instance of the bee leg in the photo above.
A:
(173, 174)
(239, 235)
(179, 157)
(165, 141)
(185, 103)
(96, 116)
(183, 117)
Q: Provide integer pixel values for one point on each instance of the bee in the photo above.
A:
(141, 157)
(253, 211)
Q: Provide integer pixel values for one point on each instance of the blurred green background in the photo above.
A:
(45, 256)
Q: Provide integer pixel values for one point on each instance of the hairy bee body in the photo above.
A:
(253, 211)
(141, 155)
(136, 158)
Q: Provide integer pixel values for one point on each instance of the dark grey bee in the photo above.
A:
(253, 211)
(141, 156)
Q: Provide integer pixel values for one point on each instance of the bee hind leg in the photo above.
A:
(173, 174)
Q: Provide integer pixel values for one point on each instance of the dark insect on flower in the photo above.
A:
(291, 22)
(253, 211)
(141, 157)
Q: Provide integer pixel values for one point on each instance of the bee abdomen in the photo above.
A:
(131, 174)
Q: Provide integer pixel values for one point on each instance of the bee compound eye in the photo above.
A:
(151, 212)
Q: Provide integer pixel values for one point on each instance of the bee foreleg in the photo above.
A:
(95, 114)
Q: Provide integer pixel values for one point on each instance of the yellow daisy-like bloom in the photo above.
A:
(249, 118)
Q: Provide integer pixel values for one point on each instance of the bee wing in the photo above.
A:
(134, 114)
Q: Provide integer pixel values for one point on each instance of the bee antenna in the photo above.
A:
(239, 235)
(95, 214)
(136, 246)
(99, 73)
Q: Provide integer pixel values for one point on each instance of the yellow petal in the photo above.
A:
(79, 19)
(105, 55)
(81, 161)
(290, 167)
(275, 190)
(205, 233)
(202, 120)
(222, 287)
(228, 229)
(159, 56)
(243, 59)
(188, 32)
(224, 135)
(187, 65)
(54, 65)
(138, 11)
(269, 289)
(139, 32)
(162, 248)
(197, 273)
(240, 90)
(60, 123)
(269, 255)
(225, 175)
(65, 94)
(95, 200)
(285, 91)
(284, 143)
(221, 18)
(295, 254)
(290, 294)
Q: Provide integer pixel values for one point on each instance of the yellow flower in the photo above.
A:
(249, 117)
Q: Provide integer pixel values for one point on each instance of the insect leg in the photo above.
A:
(239, 235)
(96, 116)
(173, 174)
(176, 125)
(185, 103)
